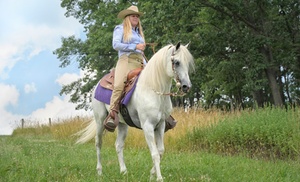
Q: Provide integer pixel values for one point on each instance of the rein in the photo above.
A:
(153, 50)
(152, 46)
(176, 94)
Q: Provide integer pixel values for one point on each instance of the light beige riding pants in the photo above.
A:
(124, 65)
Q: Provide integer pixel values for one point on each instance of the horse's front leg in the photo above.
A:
(159, 138)
(154, 150)
(122, 133)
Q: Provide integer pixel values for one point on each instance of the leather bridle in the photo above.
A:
(176, 78)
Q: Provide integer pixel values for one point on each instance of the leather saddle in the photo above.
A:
(108, 80)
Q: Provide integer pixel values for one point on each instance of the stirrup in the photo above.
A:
(109, 124)
(111, 121)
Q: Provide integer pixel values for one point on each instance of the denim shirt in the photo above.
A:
(126, 47)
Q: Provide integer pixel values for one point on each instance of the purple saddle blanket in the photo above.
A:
(103, 94)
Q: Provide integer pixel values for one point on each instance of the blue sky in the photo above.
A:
(30, 76)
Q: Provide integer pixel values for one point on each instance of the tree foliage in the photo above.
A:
(246, 52)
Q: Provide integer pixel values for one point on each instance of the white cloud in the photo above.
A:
(32, 26)
(7, 58)
(30, 88)
(67, 78)
(28, 28)
(8, 123)
(58, 108)
(9, 96)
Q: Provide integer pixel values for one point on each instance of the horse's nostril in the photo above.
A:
(185, 88)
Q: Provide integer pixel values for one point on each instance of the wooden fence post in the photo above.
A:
(22, 123)
(49, 121)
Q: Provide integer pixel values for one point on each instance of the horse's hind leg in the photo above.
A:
(122, 133)
(99, 113)
(98, 143)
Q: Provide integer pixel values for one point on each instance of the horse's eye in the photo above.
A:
(176, 63)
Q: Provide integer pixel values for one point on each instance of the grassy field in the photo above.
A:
(46, 159)
(47, 153)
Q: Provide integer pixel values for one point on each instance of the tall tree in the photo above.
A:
(244, 50)
(257, 28)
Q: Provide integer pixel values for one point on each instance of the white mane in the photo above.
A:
(155, 76)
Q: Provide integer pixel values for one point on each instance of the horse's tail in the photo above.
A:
(87, 133)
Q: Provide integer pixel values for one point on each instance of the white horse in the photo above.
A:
(149, 106)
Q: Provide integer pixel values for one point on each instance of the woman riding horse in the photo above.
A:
(129, 41)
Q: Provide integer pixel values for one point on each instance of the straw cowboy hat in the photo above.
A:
(132, 10)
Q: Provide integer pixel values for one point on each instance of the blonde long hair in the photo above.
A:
(127, 29)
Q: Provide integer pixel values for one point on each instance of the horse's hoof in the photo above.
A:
(124, 172)
(159, 179)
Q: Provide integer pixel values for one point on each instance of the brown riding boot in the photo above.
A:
(111, 121)
(170, 123)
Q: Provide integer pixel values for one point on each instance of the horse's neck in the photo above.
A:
(158, 81)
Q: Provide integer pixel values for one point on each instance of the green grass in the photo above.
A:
(270, 133)
(261, 145)
(43, 158)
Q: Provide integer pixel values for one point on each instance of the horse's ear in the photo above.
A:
(187, 45)
(177, 46)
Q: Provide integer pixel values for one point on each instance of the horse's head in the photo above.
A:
(181, 62)
(167, 63)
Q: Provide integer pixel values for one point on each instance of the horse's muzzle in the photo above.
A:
(185, 88)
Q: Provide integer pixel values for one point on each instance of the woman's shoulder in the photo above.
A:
(120, 26)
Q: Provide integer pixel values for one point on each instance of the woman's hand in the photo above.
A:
(140, 47)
